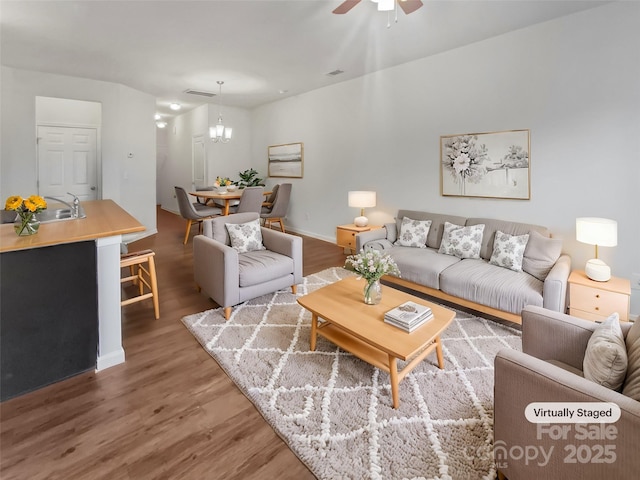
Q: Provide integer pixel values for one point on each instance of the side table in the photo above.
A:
(346, 235)
(595, 301)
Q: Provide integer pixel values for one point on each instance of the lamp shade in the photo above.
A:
(597, 231)
(362, 199)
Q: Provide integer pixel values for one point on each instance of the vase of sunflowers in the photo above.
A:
(27, 222)
(221, 184)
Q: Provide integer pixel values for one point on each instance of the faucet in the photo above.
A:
(75, 208)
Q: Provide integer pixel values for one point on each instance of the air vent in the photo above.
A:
(335, 72)
(197, 92)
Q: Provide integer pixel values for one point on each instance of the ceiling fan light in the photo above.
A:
(386, 5)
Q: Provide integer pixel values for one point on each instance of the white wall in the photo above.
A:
(127, 127)
(577, 91)
(222, 159)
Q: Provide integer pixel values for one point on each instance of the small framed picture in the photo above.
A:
(286, 160)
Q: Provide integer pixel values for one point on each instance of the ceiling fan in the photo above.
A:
(407, 6)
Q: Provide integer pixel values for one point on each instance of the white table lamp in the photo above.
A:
(362, 200)
(599, 232)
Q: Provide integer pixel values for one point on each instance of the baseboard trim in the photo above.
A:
(110, 360)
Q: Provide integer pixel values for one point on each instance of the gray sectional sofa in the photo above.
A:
(476, 283)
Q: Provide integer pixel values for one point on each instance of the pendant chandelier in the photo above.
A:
(220, 133)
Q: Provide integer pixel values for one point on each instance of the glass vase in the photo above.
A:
(372, 292)
(26, 224)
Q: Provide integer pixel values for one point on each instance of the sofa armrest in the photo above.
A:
(550, 335)
(521, 379)
(216, 270)
(554, 291)
(364, 237)
(285, 244)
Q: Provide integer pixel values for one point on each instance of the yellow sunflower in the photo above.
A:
(38, 201)
(13, 203)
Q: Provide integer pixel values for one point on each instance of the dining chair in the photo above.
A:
(193, 212)
(278, 211)
(250, 201)
(274, 193)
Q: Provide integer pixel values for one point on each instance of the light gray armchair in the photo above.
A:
(550, 370)
(229, 277)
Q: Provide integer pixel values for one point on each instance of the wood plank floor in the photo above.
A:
(168, 412)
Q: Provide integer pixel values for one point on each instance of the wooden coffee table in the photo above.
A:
(360, 329)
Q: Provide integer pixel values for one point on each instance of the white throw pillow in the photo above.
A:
(605, 360)
(462, 242)
(508, 250)
(413, 233)
(245, 237)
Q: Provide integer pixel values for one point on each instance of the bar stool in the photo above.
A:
(144, 276)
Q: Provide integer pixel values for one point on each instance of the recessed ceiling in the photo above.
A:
(263, 50)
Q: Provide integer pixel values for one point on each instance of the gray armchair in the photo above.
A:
(550, 370)
(229, 277)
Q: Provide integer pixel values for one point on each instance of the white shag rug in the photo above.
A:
(334, 410)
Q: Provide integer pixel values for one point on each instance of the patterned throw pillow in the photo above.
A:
(605, 359)
(508, 250)
(462, 242)
(413, 233)
(245, 237)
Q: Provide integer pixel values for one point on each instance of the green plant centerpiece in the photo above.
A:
(372, 265)
(250, 178)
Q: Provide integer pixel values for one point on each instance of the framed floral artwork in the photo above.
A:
(286, 160)
(493, 165)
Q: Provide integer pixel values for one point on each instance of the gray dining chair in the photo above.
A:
(277, 212)
(250, 201)
(193, 212)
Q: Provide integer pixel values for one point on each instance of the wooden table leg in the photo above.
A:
(395, 386)
(314, 331)
(226, 206)
(439, 352)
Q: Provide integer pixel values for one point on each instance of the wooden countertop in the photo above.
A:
(105, 218)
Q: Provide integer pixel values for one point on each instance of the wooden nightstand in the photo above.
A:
(597, 300)
(346, 235)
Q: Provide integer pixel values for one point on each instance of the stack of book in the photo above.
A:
(408, 316)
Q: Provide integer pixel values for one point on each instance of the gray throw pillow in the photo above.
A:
(605, 360)
(541, 255)
(245, 237)
(631, 386)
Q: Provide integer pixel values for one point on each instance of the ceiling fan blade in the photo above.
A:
(409, 6)
(346, 6)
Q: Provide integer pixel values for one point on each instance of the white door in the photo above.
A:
(67, 162)
(198, 165)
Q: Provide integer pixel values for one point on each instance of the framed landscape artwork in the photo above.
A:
(493, 165)
(286, 160)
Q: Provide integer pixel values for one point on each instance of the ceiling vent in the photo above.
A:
(335, 72)
(198, 92)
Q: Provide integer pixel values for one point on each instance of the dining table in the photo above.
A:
(226, 197)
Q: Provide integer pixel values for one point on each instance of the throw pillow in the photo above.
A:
(462, 242)
(413, 233)
(605, 360)
(508, 250)
(631, 386)
(245, 237)
(541, 254)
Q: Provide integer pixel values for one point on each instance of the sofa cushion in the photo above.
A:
(631, 386)
(245, 237)
(541, 254)
(480, 282)
(491, 226)
(462, 242)
(508, 250)
(422, 266)
(413, 233)
(262, 266)
(437, 224)
(605, 359)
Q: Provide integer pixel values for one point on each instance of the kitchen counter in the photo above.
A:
(104, 218)
(60, 313)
